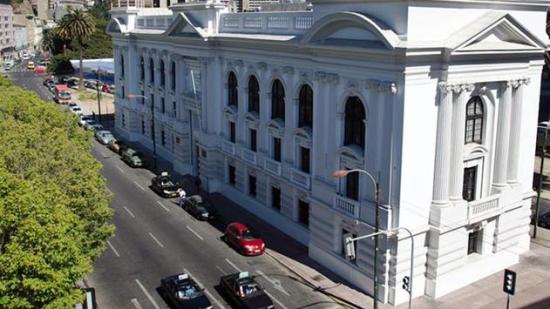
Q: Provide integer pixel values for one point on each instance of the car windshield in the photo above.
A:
(91, 123)
(166, 182)
(248, 234)
(249, 288)
(65, 95)
(187, 290)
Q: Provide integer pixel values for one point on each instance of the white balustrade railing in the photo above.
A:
(300, 178)
(228, 147)
(272, 166)
(249, 156)
(483, 207)
(267, 22)
(153, 22)
(131, 4)
(347, 205)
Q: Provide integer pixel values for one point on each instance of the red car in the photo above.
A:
(243, 239)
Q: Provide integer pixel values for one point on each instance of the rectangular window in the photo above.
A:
(162, 106)
(277, 149)
(253, 140)
(123, 120)
(252, 185)
(276, 198)
(122, 94)
(305, 159)
(162, 138)
(174, 110)
(303, 213)
(474, 240)
(142, 97)
(352, 186)
(232, 177)
(469, 186)
(142, 127)
(232, 134)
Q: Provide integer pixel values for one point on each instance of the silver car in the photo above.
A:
(104, 136)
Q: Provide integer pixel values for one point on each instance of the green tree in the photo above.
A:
(77, 26)
(60, 65)
(53, 203)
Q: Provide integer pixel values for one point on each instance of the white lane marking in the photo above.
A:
(205, 289)
(147, 294)
(136, 304)
(276, 300)
(162, 205)
(221, 270)
(156, 240)
(113, 248)
(139, 186)
(234, 266)
(128, 210)
(192, 231)
(120, 169)
(276, 283)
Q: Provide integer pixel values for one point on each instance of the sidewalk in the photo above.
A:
(533, 285)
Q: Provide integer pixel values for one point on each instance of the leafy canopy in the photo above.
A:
(54, 213)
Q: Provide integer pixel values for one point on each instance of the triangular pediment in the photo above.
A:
(183, 26)
(494, 32)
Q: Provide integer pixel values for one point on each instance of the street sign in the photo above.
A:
(406, 281)
(509, 282)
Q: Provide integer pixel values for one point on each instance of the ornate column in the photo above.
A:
(443, 146)
(515, 131)
(456, 171)
(503, 138)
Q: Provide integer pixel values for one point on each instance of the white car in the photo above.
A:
(83, 120)
(104, 136)
(89, 123)
(96, 127)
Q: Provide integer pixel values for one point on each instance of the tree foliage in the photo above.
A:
(54, 213)
(60, 65)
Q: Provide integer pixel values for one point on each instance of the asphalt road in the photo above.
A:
(155, 238)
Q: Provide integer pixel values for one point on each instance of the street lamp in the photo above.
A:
(344, 173)
(541, 171)
(153, 137)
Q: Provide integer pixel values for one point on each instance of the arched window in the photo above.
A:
(141, 69)
(253, 95)
(474, 121)
(122, 65)
(232, 91)
(355, 122)
(151, 70)
(162, 77)
(173, 76)
(305, 107)
(277, 100)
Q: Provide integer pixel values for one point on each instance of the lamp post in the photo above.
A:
(539, 187)
(153, 137)
(344, 173)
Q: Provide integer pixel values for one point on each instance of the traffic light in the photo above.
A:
(406, 281)
(509, 281)
(349, 246)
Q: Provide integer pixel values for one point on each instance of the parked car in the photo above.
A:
(131, 157)
(181, 291)
(198, 207)
(96, 127)
(93, 84)
(244, 239)
(47, 82)
(107, 88)
(104, 136)
(72, 104)
(164, 185)
(544, 220)
(117, 146)
(83, 120)
(89, 124)
(76, 110)
(30, 65)
(245, 292)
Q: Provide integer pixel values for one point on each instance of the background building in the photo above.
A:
(438, 100)
(7, 40)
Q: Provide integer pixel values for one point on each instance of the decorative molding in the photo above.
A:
(333, 78)
(288, 70)
(262, 66)
(352, 85)
(446, 87)
(320, 76)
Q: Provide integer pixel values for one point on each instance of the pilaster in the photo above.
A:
(503, 138)
(443, 146)
(515, 131)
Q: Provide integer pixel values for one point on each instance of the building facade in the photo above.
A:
(264, 107)
(7, 40)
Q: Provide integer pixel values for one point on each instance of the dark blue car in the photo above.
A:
(181, 291)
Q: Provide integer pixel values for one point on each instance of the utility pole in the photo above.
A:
(376, 230)
(98, 96)
(539, 187)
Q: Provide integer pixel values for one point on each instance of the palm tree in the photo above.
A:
(77, 26)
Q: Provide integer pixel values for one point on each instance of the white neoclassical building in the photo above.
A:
(437, 99)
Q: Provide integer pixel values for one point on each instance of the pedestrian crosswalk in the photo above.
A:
(16, 70)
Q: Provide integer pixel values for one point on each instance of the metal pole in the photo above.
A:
(411, 272)
(376, 230)
(98, 99)
(539, 188)
(508, 301)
